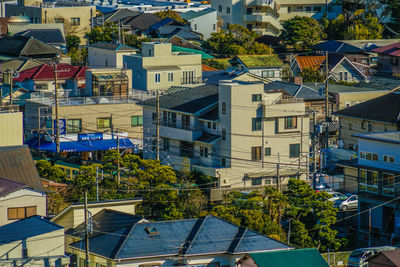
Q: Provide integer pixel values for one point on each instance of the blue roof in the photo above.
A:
(186, 237)
(294, 90)
(161, 23)
(337, 46)
(26, 228)
(79, 146)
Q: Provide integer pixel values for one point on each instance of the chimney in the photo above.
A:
(297, 80)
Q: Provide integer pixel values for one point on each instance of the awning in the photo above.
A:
(81, 146)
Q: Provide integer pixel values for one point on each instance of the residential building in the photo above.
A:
(73, 215)
(89, 125)
(33, 241)
(19, 64)
(11, 128)
(265, 66)
(41, 78)
(141, 23)
(19, 201)
(22, 194)
(17, 24)
(21, 46)
(115, 16)
(388, 59)
(267, 17)
(108, 82)
(202, 241)
(158, 68)
(390, 258)
(167, 27)
(341, 69)
(374, 175)
(108, 55)
(236, 132)
(376, 115)
(77, 16)
(283, 258)
(204, 21)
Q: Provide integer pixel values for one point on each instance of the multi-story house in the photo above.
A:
(88, 125)
(108, 55)
(204, 22)
(267, 16)
(76, 16)
(158, 68)
(380, 114)
(237, 132)
(375, 175)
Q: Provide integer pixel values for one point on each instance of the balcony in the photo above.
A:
(182, 132)
(191, 80)
(264, 17)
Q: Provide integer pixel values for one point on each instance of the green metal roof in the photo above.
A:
(203, 54)
(290, 258)
(259, 61)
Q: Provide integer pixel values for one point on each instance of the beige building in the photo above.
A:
(11, 128)
(158, 68)
(236, 132)
(108, 55)
(380, 114)
(76, 18)
(32, 242)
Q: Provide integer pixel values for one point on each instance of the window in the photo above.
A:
(294, 150)
(157, 77)
(256, 97)
(186, 149)
(214, 27)
(256, 124)
(374, 156)
(75, 21)
(185, 122)
(223, 108)
(388, 158)
(346, 76)
(166, 144)
(136, 121)
(368, 155)
(209, 125)
(195, 27)
(256, 153)
(223, 162)
(267, 151)
(362, 155)
(214, 125)
(290, 122)
(58, 20)
(103, 123)
(204, 152)
(350, 125)
(388, 183)
(154, 117)
(170, 77)
(256, 181)
(249, 11)
(363, 124)
(169, 119)
(368, 180)
(268, 73)
(74, 125)
(308, 9)
(223, 134)
(21, 212)
(220, 8)
(317, 8)
(228, 10)
(340, 76)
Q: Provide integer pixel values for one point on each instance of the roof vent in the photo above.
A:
(151, 230)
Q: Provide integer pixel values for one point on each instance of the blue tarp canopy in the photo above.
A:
(81, 146)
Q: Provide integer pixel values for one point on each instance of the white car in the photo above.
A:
(336, 196)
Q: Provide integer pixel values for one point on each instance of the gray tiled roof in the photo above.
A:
(294, 90)
(47, 36)
(7, 186)
(186, 237)
(16, 164)
(25, 46)
(189, 101)
(385, 108)
(143, 21)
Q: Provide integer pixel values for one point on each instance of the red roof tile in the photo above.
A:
(46, 72)
(391, 50)
(207, 68)
(313, 62)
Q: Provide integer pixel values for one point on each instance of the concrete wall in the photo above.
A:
(347, 99)
(206, 24)
(11, 129)
(22, 198)
(106, 58)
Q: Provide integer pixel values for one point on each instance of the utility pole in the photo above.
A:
(369, 228)
(118, 172)
(11, 86)
(56, 107)
(86, 231)
(326, 100)
(158, 126)
(301, 149)
(314, 152)
(97, 183)
(288, 236)
(278, 177)
(262, 133)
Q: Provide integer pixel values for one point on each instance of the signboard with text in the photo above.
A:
(90, 137)
(61, 126)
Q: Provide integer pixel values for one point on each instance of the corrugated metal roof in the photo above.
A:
(312, 62)
(391, 50)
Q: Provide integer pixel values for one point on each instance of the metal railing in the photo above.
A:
(193, 80)
(288, 100)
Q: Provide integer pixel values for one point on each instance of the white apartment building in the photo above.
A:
(237, 132)
(267, 16)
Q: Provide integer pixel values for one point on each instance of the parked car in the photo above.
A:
(350, 203)
(337, 196)
(359, 257)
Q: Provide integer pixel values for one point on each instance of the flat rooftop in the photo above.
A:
(389, 137)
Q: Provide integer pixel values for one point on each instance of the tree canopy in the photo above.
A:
(170, 14)
(106, 33)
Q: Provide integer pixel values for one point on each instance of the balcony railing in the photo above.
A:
(288, 100)
(176, 125)
(193, 80)
(369, 188)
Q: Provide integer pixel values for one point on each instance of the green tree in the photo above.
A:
(311, 75)
(48, 171)
(300, 33)
(106, 33)
(170, 14)
(55, 203)
(78, 55)
(73, 41)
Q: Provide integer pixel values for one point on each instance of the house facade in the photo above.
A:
(204, 22)
(11, 128)
(266, 17)
(158, 68)
(388, 59)
(219, 130)
(265, 66)
(374, 175)
(108, 55)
